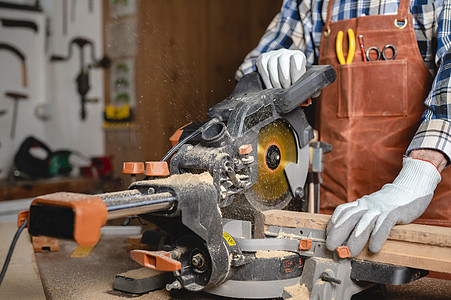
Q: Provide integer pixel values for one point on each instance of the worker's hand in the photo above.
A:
(281, 68)
(372, 217)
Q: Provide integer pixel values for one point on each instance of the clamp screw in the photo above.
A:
(176, 285)
(343, 252)
(298, 193)
(305, 244)
(325, 277)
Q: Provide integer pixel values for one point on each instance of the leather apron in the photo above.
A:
(372, 110)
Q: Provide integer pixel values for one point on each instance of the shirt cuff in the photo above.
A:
(435, 135)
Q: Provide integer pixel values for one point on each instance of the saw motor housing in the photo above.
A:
(236, 123)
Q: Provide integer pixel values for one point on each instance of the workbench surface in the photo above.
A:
(92, 277)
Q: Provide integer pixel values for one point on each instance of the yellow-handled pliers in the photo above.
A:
(351, 47)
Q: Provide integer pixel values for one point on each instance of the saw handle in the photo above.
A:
(314, 79)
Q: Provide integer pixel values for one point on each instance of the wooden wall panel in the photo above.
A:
(188, 52)
(235, 27)
(171, 70)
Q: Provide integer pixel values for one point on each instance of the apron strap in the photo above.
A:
(403, 10)
(326, 28)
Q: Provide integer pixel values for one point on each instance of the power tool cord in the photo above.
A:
(180, 144)
(11, 249)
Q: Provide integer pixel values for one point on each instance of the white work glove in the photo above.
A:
(400, 202)
(281, 68)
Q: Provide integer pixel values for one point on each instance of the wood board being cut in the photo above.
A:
(413, 245)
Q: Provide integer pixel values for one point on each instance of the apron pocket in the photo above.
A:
(382, 81)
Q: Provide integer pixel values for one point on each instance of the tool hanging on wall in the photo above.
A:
(21, 56)
(91, 6)
(20, 23)
(35, 159)
(82, 79)
(16, 97)
(27, 7)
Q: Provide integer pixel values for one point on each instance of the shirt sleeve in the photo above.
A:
(435, 130)
(284, 31)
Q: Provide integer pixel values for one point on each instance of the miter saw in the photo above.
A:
(255, 143)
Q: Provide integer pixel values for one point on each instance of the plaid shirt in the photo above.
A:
(299, 26)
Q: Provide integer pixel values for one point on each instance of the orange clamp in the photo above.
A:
(157, 168)
(175, 138)
(245, 149)
(133, 168)
(305, 244)
(343, 252)
(306, 103)
(90, 214)
(157, 260)
(22, 216)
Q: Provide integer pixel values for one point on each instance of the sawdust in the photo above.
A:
(188, 178)
(324, 259)
(319, 282)
(68, 197)
(298, 292)
(272, 254)
(90, 290)
(104, 291)
(219, 211)
(156, 295)
(289, 236)
(120, 194)
(424, 288)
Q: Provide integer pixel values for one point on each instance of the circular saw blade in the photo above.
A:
(276, 148)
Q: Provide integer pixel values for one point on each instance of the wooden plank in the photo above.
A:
(411, 245)
(415, 233)
(420, 256)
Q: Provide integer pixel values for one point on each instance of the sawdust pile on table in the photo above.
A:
(298, 292)
(272, 254)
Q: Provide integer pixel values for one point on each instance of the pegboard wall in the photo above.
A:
(50, 110)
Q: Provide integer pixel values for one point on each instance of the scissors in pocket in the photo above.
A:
(381, 54)
(351, 47)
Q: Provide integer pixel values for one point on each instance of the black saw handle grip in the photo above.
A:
(251, 88)
(314, 79)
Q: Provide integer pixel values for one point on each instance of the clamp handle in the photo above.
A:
(156, 260)
(132, 168)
